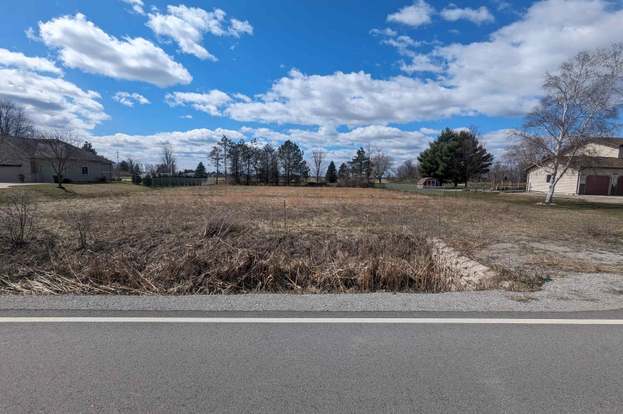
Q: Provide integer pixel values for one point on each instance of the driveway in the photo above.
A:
(587, 198)
(7, 185)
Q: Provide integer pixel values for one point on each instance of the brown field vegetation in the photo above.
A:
(236, 239)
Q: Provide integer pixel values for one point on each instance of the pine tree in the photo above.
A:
(331, 175)
(360, 166)
(344, 172)
(200, 171)
(291, 161)
(455, 157)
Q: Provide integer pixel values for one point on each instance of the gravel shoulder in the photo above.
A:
(574, 292)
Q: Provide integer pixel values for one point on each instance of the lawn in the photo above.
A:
(121, 238)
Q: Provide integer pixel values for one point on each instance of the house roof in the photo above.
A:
(608, 141)
(597, 162)
(583, 163)
(36, 148)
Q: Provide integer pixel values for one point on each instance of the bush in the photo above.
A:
(136, 179)
(18, 218)
(147, 181)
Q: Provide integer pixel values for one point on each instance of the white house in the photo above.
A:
(597, 171)
(28, 160)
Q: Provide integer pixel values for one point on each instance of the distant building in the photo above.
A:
(597, 170)
(428, 182)
(28, 160)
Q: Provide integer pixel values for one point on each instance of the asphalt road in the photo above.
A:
(155, 367)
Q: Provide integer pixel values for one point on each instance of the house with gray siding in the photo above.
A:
(596, 170)
(28, 160)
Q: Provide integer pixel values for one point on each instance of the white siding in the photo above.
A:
(537, 181)
(96, 171)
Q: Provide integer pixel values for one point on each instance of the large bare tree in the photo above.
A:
(58, 148)
(318, 158)
(381, 164)
(168, 161)
(581, 102)
(13, 121)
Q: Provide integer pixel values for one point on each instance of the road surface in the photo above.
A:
(439, 364)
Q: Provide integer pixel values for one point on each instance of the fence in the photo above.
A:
(449, 190)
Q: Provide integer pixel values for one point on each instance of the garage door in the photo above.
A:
(598, 185)
(10, 173)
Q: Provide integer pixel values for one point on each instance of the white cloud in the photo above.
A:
(421, 63)
(129, 99)
(19, 60)
(137, 5)
(497, 141)
(346, 98)
(417, 14)
(193, 146)
(52, 101)
(187, 25)
(83, 45)
(501, 76)
(478, 16)
(211, 102)
(238, 27)
(189, 146)
(384, 32)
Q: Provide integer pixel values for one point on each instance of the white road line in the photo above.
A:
(276, 320)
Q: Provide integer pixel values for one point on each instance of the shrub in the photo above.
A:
(82, 224)
(18, 218)
(147, 181)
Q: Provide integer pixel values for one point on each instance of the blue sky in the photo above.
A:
(131, 75)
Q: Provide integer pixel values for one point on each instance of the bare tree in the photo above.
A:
(318, 157)
(58, 149)
(225, 144)
(381, 164)
(168, 160)
(581, 102)
(13, 121)
(216, 155)
(408, 169)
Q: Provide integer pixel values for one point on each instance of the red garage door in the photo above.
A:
(597, 185)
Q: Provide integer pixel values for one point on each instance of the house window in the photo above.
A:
(548, 178)
(85, 170)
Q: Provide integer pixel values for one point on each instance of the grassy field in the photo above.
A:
(121, 238)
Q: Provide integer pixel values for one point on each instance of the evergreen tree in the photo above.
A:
(331, 175)
(455, 157)
(200, 171)
(360, 166)
(344, 172)
(291, 161)
(472, 159)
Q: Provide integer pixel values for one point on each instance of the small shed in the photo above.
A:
(428, 182)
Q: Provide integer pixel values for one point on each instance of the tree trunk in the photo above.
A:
(549, 197)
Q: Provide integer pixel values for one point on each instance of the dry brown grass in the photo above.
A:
(241, 239)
